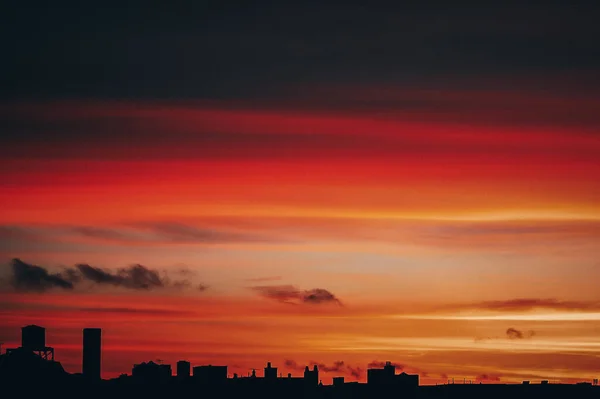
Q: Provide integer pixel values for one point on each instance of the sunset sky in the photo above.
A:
(306, 185)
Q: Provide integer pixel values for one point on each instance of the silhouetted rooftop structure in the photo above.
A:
(33, 338)
(24, 364)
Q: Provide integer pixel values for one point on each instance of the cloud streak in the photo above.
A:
(527, 304)
(135, 311)
(291, 295)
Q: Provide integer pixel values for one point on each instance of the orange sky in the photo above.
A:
(435, 234)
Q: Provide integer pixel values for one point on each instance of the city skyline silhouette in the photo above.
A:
(32, 365)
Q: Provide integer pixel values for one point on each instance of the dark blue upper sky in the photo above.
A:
(220, 49)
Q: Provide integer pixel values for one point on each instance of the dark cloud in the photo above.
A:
(201, 287)
(135, 277)
(28, 277)
(513, 333)
(292, 295)
(319, 295)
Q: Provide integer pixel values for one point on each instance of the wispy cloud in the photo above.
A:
(488, 377)
(264, 279)
(137, 311)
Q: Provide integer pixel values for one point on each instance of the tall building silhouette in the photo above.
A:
(92, 352)
(183, 369)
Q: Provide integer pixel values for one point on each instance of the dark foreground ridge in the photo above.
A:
(32, 370)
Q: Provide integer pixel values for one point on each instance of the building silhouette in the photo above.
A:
(183, 369)
(92, 353)
(338, 381)
(270, 372)
(210, 374)
(311, 377)
(387, 377)
(151, 372)
(33, 338)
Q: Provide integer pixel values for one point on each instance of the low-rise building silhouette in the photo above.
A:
(338, 381)
(210, 374)
(151, 372)
(387, 377)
